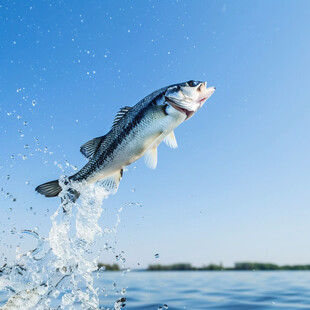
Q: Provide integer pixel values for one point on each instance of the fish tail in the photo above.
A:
(49, 189)
(53, 189)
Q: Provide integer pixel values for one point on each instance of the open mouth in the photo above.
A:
(186, 112)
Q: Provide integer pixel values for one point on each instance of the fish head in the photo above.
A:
(188, 97)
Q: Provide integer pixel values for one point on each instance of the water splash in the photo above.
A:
(59, 272)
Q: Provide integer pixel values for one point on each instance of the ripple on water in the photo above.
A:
(216, 290)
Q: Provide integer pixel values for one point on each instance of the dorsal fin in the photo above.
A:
(89, 148)
(120, 114)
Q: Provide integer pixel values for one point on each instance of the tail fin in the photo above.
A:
(49, 189)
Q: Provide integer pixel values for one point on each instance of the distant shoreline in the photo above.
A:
(243, 266)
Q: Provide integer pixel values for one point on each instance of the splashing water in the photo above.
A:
(63, 277)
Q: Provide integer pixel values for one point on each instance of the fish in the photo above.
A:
(136, 132)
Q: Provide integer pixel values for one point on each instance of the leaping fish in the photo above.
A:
(136, 131)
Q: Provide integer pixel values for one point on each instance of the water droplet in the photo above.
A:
(12, 156)
(123, 292)
(18, 90)
(165, 306)
(101, 269)
(27, 182)
(25, 123)
(33, 103)
(9, 113)
(24, 157)
(133, 189)
(26, 146)
(156, 255)
(8, 177)
(120, 303)
(55, 293)
(18, 117)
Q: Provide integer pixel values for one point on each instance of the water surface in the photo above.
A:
(210, 290)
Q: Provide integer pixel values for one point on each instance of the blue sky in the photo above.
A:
(236, 189)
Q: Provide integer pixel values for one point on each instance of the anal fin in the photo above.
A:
(111, 183)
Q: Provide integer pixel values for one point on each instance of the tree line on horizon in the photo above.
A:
(246, 266)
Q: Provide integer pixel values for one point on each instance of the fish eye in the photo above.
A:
(192, 83)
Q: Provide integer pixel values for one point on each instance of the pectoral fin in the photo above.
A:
(171, 141)
(150, 158)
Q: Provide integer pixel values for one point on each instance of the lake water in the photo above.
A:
(203, 290)
(211, 290)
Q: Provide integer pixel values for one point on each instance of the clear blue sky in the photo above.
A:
(236, 189)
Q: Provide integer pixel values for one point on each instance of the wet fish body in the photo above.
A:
(137, 131)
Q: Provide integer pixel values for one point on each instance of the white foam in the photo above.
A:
(66, 265)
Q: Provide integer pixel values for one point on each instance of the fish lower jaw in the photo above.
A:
(184, 111)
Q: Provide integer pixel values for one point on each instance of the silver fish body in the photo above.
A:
(136, 131)
(128, 141)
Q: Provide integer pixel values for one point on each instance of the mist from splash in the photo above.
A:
(59, 273)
